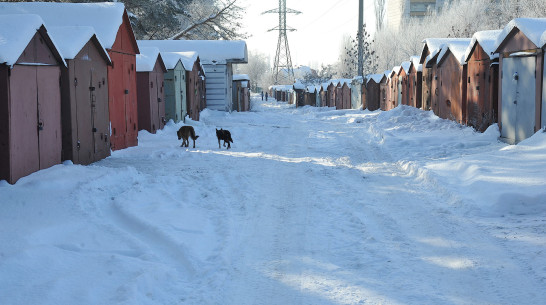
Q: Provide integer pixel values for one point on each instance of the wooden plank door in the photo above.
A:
(49, 115)
(23, 132)
(85, 142)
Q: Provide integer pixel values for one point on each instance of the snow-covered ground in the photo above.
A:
(310, 206)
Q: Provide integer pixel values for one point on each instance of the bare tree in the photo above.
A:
(181, 19)
(379, 9)
(212, 19)
(258, 65)
(457, 18)
(349, 55)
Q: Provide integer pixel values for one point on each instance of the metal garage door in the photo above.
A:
(217, 88)
(518, 98)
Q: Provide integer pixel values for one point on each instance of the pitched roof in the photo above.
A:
(16, 32)
(171, 59)
(533, 28)
(71, 39)
(105, 18)
(433, 45)
(457, 48)
(210, 51)
(406, 66)
(145, 61)
(415, 61)
(375, 77)
(487, 40)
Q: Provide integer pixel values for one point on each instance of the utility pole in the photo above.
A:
(360, 35)
(283, 61)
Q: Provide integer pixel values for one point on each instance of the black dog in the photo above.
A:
(224, 135)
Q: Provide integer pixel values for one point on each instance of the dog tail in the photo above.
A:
(192, 134)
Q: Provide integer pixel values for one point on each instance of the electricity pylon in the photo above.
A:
(283, 71)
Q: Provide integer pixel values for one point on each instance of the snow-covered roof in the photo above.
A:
(457, 48)
(16, 32)
(387, 73)
(415, 61)
(105, 17)
(406, 66)
(312, 88)
(210, 51)
(71, 39)
(375, 77)
(299, 86)
(241, 77)
(288, 88)
(341, 81)
(171, 59)
(357, 79)
(396, 70)
(188, 59)
(487, 40)
(434, 45)
(533, 28)
(145, 61)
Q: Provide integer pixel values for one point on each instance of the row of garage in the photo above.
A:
(496, 76)
(76, 84)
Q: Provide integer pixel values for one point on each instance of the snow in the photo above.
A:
(299, 86)
(313, 89)
(375, 77)
(145, 61)
(387, 73)
(70, 40)
(288, 88)
(406, 65)
(171, 59)
(487, 40)
(533, 28)
(210, 51)
(310, 206)
(16, 32)
(396, 70)
(105, 18)
(357, 80)
(435, 45)
(241, 77)
(188, 59)
(457, 48)
(415, 61)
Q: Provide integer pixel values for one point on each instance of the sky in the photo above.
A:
(319, 19)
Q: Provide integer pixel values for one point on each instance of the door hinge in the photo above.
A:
(75, 81)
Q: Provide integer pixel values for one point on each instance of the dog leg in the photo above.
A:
(193, 143)
(228, 145)
(219, 147)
